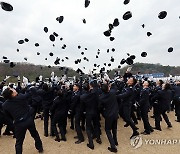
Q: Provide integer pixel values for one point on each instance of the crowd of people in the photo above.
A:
(86, 102)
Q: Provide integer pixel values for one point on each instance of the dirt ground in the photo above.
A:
(124, 147)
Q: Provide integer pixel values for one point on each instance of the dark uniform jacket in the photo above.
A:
(164, 98)
(144, 98)
(90, 103)
(127, 96)
(17, 107)
(108, 101)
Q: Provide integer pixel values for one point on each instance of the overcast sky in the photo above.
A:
(29, 17)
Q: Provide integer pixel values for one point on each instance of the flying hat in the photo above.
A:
(6, 61)
(143, 54)
(126, 2)
(36, 44)
(127, 15)
(51, 54)
(116, 22)
(84, 21)
(45, 29)
(170, 49)
(52, 38)
(113, 49)
(55, 34)
(122, 61)
(132, 57)
(60, 19)
(12, 64)
(87, 2)
(4, 57)
(149, 34)
(57, 61)
(21, 41)
(162, 15)
(112, 59)
(111, 38)
(107, 33)
(26, 40)
(109, 64)
(111, 26)
(129, 61)
(6, 6)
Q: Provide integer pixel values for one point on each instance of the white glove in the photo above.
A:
(7, 77)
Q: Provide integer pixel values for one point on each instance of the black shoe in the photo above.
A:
(152, 116)
(170, 126)
(63, 139)
(145, 133)
(52, 134)
(79, 141)
(139, 118)
(75, 137)
(177, 120)
(126, 125)
(157, 128)
(72, 127)
(46, 135)
(112, 149)
(151, 130)
(7, 133)
(116, 143)
(136, 128)
(98, 140)
(57, 139)
(90, 146)
(136, 133)
(136, 123)
(41, 150)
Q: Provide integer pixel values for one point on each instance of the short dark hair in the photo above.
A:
(7, 93)
(167, 86)
(86, 87)
(77, 85)
(104, 88)
(45, 87)
(161, 82)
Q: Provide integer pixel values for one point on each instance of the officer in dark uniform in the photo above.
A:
(126, 97)
(59, 110)
(76, 107)
(17, 107)
(47, 95)
(108, 102)
(5, 120)
(164, 98)
(144, 107)
(90, 104)
(176, 100)
(35, 101)
(1, 117)
(158, 87)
